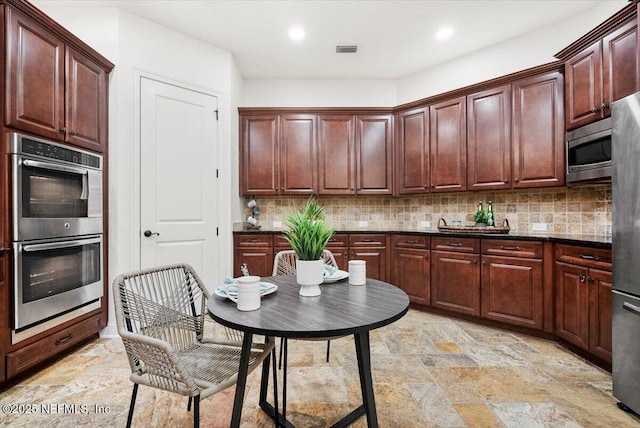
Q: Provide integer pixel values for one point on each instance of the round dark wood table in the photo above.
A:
(340, 310)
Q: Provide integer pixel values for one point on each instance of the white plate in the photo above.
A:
(336, 276)
(266, 288)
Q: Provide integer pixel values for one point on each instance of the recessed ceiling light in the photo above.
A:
(444, 33)
(296, 33)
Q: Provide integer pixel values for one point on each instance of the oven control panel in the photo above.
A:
(52, 151)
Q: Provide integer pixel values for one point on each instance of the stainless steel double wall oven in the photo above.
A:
(57, 230)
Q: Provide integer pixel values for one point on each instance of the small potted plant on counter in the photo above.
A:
(308, 235)
(481, 217)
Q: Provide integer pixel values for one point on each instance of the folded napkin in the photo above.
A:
(329, 271)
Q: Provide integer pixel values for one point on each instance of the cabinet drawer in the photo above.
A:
(338, 240)
(454, 243)
(251, 240)
(368, 240)
(504, 247)
(410, 241)
(39, 351)
(281, 243)
(584, 256)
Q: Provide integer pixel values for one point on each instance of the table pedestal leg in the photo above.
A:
(363, 352)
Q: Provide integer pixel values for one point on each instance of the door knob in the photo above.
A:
(148, 233)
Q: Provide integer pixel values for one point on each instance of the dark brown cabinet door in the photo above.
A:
(619, 64)
(85, 102)
(448, 146)
(572, 304)
(412, 148)
(412, 273)
(259, 261)
(583, 87)
(298, 165)
(600, 315)
(376, 259)
(34, 100)
(512, 290)
(455, 282)
(260, 155)
(489, 139)
(336, 172)
(538, 132)
(374, 155)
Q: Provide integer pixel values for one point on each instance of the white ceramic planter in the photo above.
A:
(309, 274)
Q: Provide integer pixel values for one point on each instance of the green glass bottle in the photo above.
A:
(490, 219)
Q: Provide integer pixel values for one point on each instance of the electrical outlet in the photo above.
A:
(277, 224)
(539, 227)
(363, 224)
(425, 223)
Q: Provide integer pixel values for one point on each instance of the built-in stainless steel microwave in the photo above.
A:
(589, 152)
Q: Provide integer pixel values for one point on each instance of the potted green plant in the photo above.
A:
(481, 218)
(308, 235)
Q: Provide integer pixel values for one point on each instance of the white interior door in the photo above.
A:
(178, 139)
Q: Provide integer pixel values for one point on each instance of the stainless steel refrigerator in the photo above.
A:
(625, 114)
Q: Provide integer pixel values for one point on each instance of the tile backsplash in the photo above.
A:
(582, 210)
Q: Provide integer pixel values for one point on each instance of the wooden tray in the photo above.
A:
(444, 227)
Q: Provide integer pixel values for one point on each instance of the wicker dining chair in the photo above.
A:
(284, 263)
(160, 315)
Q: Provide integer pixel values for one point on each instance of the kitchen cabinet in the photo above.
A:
(448, 145)
(537, 141)
(339, 247)
(336, 134)
(256, 250)
(583, 284)
(298, 163)
(455, 274)
(412, 148)
(511, 282)
(372, 248)
(259, 155)
(489, 139)
(5, 322)
(600, 74)
(411, 267)
(52, 89)
(355, 154)
(374, 155)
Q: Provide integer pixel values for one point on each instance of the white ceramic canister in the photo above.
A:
(248, 298)
(357, 272)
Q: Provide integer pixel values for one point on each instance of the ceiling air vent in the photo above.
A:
(346, 48)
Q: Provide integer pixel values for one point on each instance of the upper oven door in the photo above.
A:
(52, 200)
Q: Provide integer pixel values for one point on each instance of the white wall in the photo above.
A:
(526, 51)
(136, 45)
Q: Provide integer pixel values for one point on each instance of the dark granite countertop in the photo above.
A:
(600, 241)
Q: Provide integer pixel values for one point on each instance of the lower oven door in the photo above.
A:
(55, 276)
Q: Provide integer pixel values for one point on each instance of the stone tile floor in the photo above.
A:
(429, 371)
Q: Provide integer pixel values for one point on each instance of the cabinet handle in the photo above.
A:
(62, 130)
(590, 279)
(455, 244)
(504, 247)
(411, 241)
(506, 181)
(631, 308)
(516, 180)
(474, 262)
(589, 257)
(64, 339)
(72, 132)
(367, 240)
(253, 240)
(581, 277)
(605, 105)
(484, 263)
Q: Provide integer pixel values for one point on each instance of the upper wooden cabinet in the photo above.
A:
(336, 135)
(259, 155)
(412, 151)
(489, 139)
(600, 68)
(448, 145)
(298, 164)
(52, 89)
(537, 143)
(374, 155)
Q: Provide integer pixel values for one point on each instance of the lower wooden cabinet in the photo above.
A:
(411, 267)
(256, 250)
(583, 298)
(373, 250)
(339, 247)
(512, 289)
(4, 303)
(37, 352)
(455, 282)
